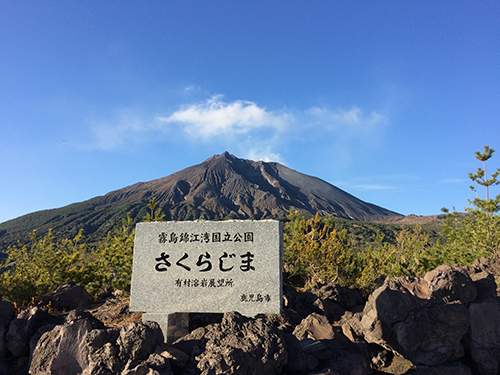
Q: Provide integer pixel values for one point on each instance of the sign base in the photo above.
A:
(173, 325)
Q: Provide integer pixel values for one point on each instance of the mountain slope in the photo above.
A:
(222, 186)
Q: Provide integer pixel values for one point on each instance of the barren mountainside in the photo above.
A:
(223, 186)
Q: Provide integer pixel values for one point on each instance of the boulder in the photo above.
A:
(156, 364)
(422, 319)
(78, 348)
(103, 351)
(24, 326)
(483, 340)
(75, 315)
(298, 360)
(386, 362)
(187, 344)
(7, 314)
(67, 296)
(113, 350)
(331, 309)
(432, 334)
(176, 357)
(338, 356)
(284, 322)
(453, 368)
(138, 340)
(387, 305)
(62, 350)
(305, 304)
(238, 345)
(490, 265)
(485, 284)
(37, 336)
(115, 312)
(314, 327)
(451, 283)
(346, 298)
(412, 326)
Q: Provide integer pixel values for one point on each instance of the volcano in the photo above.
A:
(221, 187)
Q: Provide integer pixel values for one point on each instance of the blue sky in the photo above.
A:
(387, 100)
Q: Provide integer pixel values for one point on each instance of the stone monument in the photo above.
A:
(206, 266)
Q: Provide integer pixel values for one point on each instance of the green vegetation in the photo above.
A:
(477, 232)
(110, 262)
(41, 268)
(34, 270)
(316, 249)
(154, 215)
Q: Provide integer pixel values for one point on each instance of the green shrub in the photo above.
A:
(40, 268)
(33, 271)
(110, 262)
(315, 252)
(405, 257)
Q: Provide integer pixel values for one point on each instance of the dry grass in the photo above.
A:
(114, 312)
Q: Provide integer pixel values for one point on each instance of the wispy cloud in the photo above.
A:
(373, 187)
(342, 134)
(351, 124)
(126, 126)
(248, 128)
(192, 89)
(383, 182)
(353, 117)
(453, 181)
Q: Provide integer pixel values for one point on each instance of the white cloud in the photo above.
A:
(263, 154)
(215, 117)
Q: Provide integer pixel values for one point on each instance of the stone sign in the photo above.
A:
(207, 266)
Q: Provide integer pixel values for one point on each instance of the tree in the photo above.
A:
(157, 215)
(481, 178)
(476, 233)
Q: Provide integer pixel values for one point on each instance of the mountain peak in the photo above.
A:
(225, 155)
(222, 186)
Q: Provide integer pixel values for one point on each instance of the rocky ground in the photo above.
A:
(447, 322)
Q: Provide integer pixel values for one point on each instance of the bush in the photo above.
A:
(47, 263)
(110, 263)
(314, 251)
(41, 268)
(405, 257)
